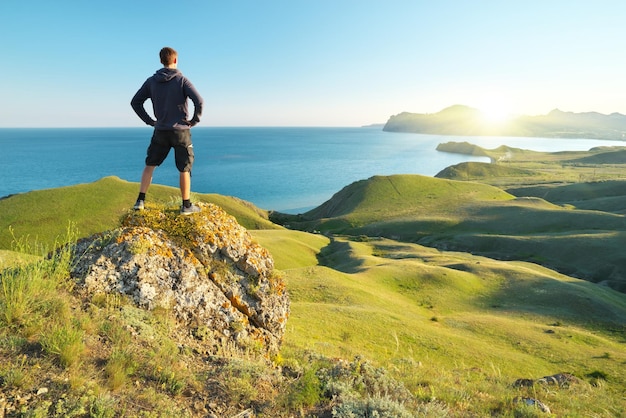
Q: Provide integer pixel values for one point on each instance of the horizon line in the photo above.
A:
(373, 125)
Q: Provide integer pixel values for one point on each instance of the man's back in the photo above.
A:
(168, 90)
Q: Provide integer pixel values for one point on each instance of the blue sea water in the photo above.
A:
(284, 169)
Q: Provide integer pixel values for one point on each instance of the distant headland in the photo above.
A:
(467, 121)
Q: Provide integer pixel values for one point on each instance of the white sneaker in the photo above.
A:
(188, 211)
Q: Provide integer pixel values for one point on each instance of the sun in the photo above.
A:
(494, 111)
(495, 115)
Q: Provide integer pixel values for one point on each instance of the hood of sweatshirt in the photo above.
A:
(166, 74)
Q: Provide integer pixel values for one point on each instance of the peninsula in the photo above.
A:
(467, 121)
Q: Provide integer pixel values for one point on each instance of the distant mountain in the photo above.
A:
(466, 121)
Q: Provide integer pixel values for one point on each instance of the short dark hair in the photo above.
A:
(168, 55)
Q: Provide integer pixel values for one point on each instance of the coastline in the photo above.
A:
(284, 169)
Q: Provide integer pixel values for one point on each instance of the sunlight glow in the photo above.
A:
(495, 112)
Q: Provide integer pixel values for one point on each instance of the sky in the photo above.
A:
(77, 63)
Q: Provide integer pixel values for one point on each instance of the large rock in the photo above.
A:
(204, 267)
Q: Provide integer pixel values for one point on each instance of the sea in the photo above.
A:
(286, 169)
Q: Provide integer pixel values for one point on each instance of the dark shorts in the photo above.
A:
(163, 141)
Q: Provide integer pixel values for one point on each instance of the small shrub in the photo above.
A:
(66, 342)
(120, 366)
(240, 389)
(102, 406)
(306, 391)
(24, 291)
(60, 260)
(380, 407)
(27, 288)
(433, 409)
(116, 333)
(13, 343)
(171, 382)
(16, 294)
(360, 378)
(166, 368)
(14, 375)
(246, 381)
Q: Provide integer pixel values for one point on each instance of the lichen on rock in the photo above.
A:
(205, 268)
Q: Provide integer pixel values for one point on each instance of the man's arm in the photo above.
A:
(137, 102)
(198, 102)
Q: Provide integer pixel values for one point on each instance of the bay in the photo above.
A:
(285, 169)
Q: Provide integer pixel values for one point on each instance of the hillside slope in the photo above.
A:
(454, 332)
(44, 215)
(605, 196)
(381, 198)
(477, 171)
(436, 317)
(479, 219)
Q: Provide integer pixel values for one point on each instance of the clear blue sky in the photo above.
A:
(311, 62)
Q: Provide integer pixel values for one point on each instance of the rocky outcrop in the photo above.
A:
(205, 268)
(559, 379)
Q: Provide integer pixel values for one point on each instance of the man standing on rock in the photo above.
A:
(169, 90)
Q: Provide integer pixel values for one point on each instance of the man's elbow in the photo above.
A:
(198, 108)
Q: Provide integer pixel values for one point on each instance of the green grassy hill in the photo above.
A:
(382, 198)
(44, 215)
(617, 156)
(477, 171)
(605, 196)
(479, 219)
(456, 329)
(515, 167)
(452, 326)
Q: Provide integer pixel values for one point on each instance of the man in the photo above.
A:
(169, 90)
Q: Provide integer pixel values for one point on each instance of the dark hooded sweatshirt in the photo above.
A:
(168, 90)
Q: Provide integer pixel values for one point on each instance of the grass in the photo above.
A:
(96, 357)
(291, 249)
(379, 322)
(381, 309)
(65, 341)
(384, 310)
(390, 197)
(96, 207)
(10, 258)
(480, 219)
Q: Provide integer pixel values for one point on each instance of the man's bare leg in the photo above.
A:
(146, 178)
(185, 185)
(185, 192)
